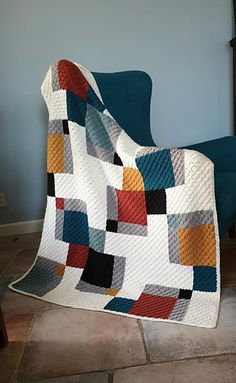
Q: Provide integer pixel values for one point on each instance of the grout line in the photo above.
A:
(148, 360)
(110, 373)
(63, 377)
(176, 360)
(16, 373)
(110, 376)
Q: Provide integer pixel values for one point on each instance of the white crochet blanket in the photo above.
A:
(128, 230)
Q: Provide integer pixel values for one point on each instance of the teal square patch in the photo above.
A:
(97, 239)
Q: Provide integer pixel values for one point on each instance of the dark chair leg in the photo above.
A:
(232, 231)
(3, 331)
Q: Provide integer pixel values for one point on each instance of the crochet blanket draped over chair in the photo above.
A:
(128, 230)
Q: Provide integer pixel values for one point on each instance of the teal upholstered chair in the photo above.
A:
(127, 95)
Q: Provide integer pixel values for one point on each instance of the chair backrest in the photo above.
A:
(127, 95)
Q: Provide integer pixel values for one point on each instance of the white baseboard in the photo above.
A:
(21, 227)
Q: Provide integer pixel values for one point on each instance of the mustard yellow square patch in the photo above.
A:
(132, 180)
(112, 292)
(55, 161)
(197, 246)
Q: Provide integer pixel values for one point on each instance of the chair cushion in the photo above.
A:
(221, 151)
(127, 96)
(225, 186)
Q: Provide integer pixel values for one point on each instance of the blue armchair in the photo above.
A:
(130, 106)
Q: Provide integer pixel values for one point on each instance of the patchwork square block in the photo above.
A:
(97, 239)
(179, 310)
(103, 271)
(72, 221)
(75, 82)
(75, 228)
(77, 256)
(204, 278)
(45, 276)
(155, 201)
(112, 225)
(65, 126)
(153, 306)
(131, 207)
(118, 304)
(101, 134)
(76, 108)
(117, 160)
(55, 161)
(160, 176)
(132, 180)
(126, 212)
(51, 185)
(60, 203)
(59, 158)
(99, 269)
(191, 238)
(95, 132)
(197, 246)
(162, 302)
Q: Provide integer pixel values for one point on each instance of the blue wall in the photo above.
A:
(182, 44)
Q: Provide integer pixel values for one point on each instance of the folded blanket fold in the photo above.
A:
(128, 230)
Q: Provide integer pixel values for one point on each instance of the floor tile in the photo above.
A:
(17, 329)
(168, 341)
(22, 241)
(228, 267)
(72, 341)
(22, 261)
(94, 377)
(4, 282)
(15, 304)
(219, 369)
(6, 257)
(9, 360)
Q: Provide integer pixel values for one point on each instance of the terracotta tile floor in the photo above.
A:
(54, 344)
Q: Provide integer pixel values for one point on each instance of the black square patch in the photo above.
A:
(155, 201)
(185, 294)
(98, 269)
(112, 225)
(117, 160)
(65, 126)
(51, 185)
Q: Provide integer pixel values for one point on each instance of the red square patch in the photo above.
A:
(132, 207)
(60, 203)
(77, 256)
(153, 306)
(71, 78)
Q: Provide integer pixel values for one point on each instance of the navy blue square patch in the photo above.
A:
(76, 108)
(75, 228)
(154, 177)
(204, 278)
(120, 305)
